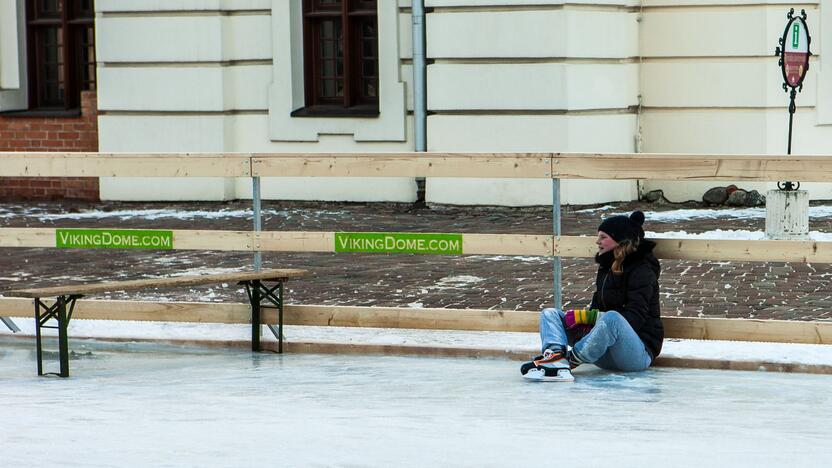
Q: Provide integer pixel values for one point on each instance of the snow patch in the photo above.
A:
(196, 271)
(511, 258)
(152, 214)
(730, 213)
(455, 282)
(593, 210)
(738, 234)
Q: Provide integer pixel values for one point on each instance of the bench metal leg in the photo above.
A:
(263, 296)
(38, 305)
(63, 339)
(10, 324)
(61, 312)
(279, 304)
(256, 320)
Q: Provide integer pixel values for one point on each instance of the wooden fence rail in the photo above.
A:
(420, 319)
(472, 244)
(124, 165)
(480, 165)
(692, 167)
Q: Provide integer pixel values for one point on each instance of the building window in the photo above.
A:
(340, 58)
(61, 38)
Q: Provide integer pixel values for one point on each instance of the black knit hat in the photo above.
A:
(622, 228)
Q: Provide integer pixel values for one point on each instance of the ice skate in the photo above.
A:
(552, 366)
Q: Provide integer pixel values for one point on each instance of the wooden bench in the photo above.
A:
(263, 288)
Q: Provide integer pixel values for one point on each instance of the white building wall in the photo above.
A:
(659, 76)
(223, 76)
(710, 84)
(13, 87)
(9, 70)
(189, 75)
(541, 76)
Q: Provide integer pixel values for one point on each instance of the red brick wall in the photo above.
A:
(51, 134)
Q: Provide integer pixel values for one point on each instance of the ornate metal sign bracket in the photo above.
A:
(794, 63)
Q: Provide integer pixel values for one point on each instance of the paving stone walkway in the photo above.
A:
(772, 290)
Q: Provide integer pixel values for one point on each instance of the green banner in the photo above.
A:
(398, 242)
(113, 239)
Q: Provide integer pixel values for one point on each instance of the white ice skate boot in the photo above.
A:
(552, 366)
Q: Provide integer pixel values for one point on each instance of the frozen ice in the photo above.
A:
(133, 404)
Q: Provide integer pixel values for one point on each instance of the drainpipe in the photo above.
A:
(419, 88)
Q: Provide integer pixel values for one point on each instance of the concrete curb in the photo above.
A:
(765, 366)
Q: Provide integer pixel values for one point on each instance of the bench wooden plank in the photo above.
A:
(91, 288)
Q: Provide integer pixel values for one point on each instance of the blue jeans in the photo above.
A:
(612, 344)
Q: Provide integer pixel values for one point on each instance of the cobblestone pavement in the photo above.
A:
(788, 291)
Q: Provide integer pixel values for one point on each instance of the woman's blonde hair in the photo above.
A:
(624, 248)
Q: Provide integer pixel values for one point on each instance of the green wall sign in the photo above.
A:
(113, 239)
(398, 242)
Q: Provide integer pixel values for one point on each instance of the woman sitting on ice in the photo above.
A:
(621, 330)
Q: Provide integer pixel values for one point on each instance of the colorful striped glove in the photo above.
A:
(576, 317)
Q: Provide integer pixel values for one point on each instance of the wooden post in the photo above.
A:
(787, 214)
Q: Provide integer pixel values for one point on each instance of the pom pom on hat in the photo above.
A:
(622, 228)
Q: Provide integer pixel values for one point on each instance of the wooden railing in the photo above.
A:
(479, 244)
(478, 165)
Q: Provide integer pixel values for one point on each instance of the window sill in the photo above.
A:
(337, 111)
(58, 113)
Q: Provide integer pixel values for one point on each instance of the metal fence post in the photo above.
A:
(556, 265)
(258, 222)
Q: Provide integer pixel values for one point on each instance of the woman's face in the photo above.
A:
(605, 243)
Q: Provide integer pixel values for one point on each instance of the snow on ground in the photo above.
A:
(670, 216)
(453, 282)
(506, 258)
(738, 234)
(594, 210)
(679, 215)
(651, 216)
(50, 214)
(684, 214)
(196, 271)
(16, 276)
(151, 214)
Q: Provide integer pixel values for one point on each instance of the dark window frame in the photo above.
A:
(359, 89)
(73, 23)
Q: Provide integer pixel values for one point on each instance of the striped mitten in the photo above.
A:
(576, 317)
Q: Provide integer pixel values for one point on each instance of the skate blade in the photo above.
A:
(536, 375)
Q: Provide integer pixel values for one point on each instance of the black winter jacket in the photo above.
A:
(634, 293)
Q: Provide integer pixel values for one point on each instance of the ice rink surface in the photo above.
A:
(155, 405)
